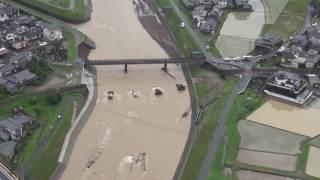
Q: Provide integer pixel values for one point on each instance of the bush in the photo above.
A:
(54, 98)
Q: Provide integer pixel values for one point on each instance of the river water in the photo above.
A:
(130, 137)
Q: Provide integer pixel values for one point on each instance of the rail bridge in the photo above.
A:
(221, 65)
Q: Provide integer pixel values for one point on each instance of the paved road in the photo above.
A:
(219, 131)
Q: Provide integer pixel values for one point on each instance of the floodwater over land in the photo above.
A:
(242, 28)
(304, 121)
(130, 137)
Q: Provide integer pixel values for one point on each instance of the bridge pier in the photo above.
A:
(125, 68)
(165, 67)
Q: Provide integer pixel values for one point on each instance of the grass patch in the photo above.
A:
(200, 148)
(217, 165)
(244, 104)
(78, 13)
(51, 151)
(291, 19)
(71, 46)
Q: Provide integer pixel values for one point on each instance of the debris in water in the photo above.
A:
(110, 95)
(158, 92)
(180, 87)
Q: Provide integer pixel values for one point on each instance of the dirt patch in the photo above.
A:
(259, 137)
(251, 175)
(304, 121)
(313, 164)
(269, 160)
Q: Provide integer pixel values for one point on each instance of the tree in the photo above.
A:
(39, 67)
(54, 98)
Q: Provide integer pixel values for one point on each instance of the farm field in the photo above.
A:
(313, 163)
(255, 136)
(289, 21)
(304, 121)
(250, 175)
(269, 160)
(274, 9)
(234, 46)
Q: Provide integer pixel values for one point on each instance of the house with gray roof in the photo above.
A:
(7, 149)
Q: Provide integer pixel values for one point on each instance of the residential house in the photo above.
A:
(22, 78)
(288, 86)
(7, 149)
(14, 126)
(198, 14)
(222, 4)
(313, 62)
(268, 41)
(7, 70)
(208, 26)
(52, 32)
(21, 60)
(24, 20)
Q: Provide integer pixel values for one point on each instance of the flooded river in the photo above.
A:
(130, 137)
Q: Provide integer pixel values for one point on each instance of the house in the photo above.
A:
(313, 62)
(21, 78)
(314, 81)
(242, 4)
(3, 51)
(14, 131)
(299, 62)
(7, 70)
(13, 127)
(222, 4)
(289, 87)
(21, 60)
(7, 149)
(314, 42)
(198, 14)
(24, 20)
(268, 41)
(300, 41)
(208, 26)
(19, 44)
(215, 13)
(52, 32)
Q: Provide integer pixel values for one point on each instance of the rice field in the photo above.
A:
(273, 9)
(255, 136)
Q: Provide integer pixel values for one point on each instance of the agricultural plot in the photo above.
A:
(274, 9)
(315, 141)
(234, 46)
(243, 24)
(250, 175)
(255, 136)
(269, 160)
(304, 121)
(313, 163)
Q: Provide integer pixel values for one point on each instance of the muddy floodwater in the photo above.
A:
(304, 121)
(137, 135)
(240, 30)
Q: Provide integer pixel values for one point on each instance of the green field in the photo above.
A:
(290, 21)
(58, 3)
(77, 14)
(71, 45)
(208, 124)
(244, 104)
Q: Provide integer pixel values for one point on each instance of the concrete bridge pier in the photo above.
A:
(165, 67)
(125, 68)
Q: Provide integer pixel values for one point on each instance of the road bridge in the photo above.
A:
(221, 65)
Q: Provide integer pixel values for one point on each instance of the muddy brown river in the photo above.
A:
(130, 137)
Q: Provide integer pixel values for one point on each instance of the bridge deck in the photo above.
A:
(145, 61)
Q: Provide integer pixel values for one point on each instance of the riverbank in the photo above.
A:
(80, 13)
